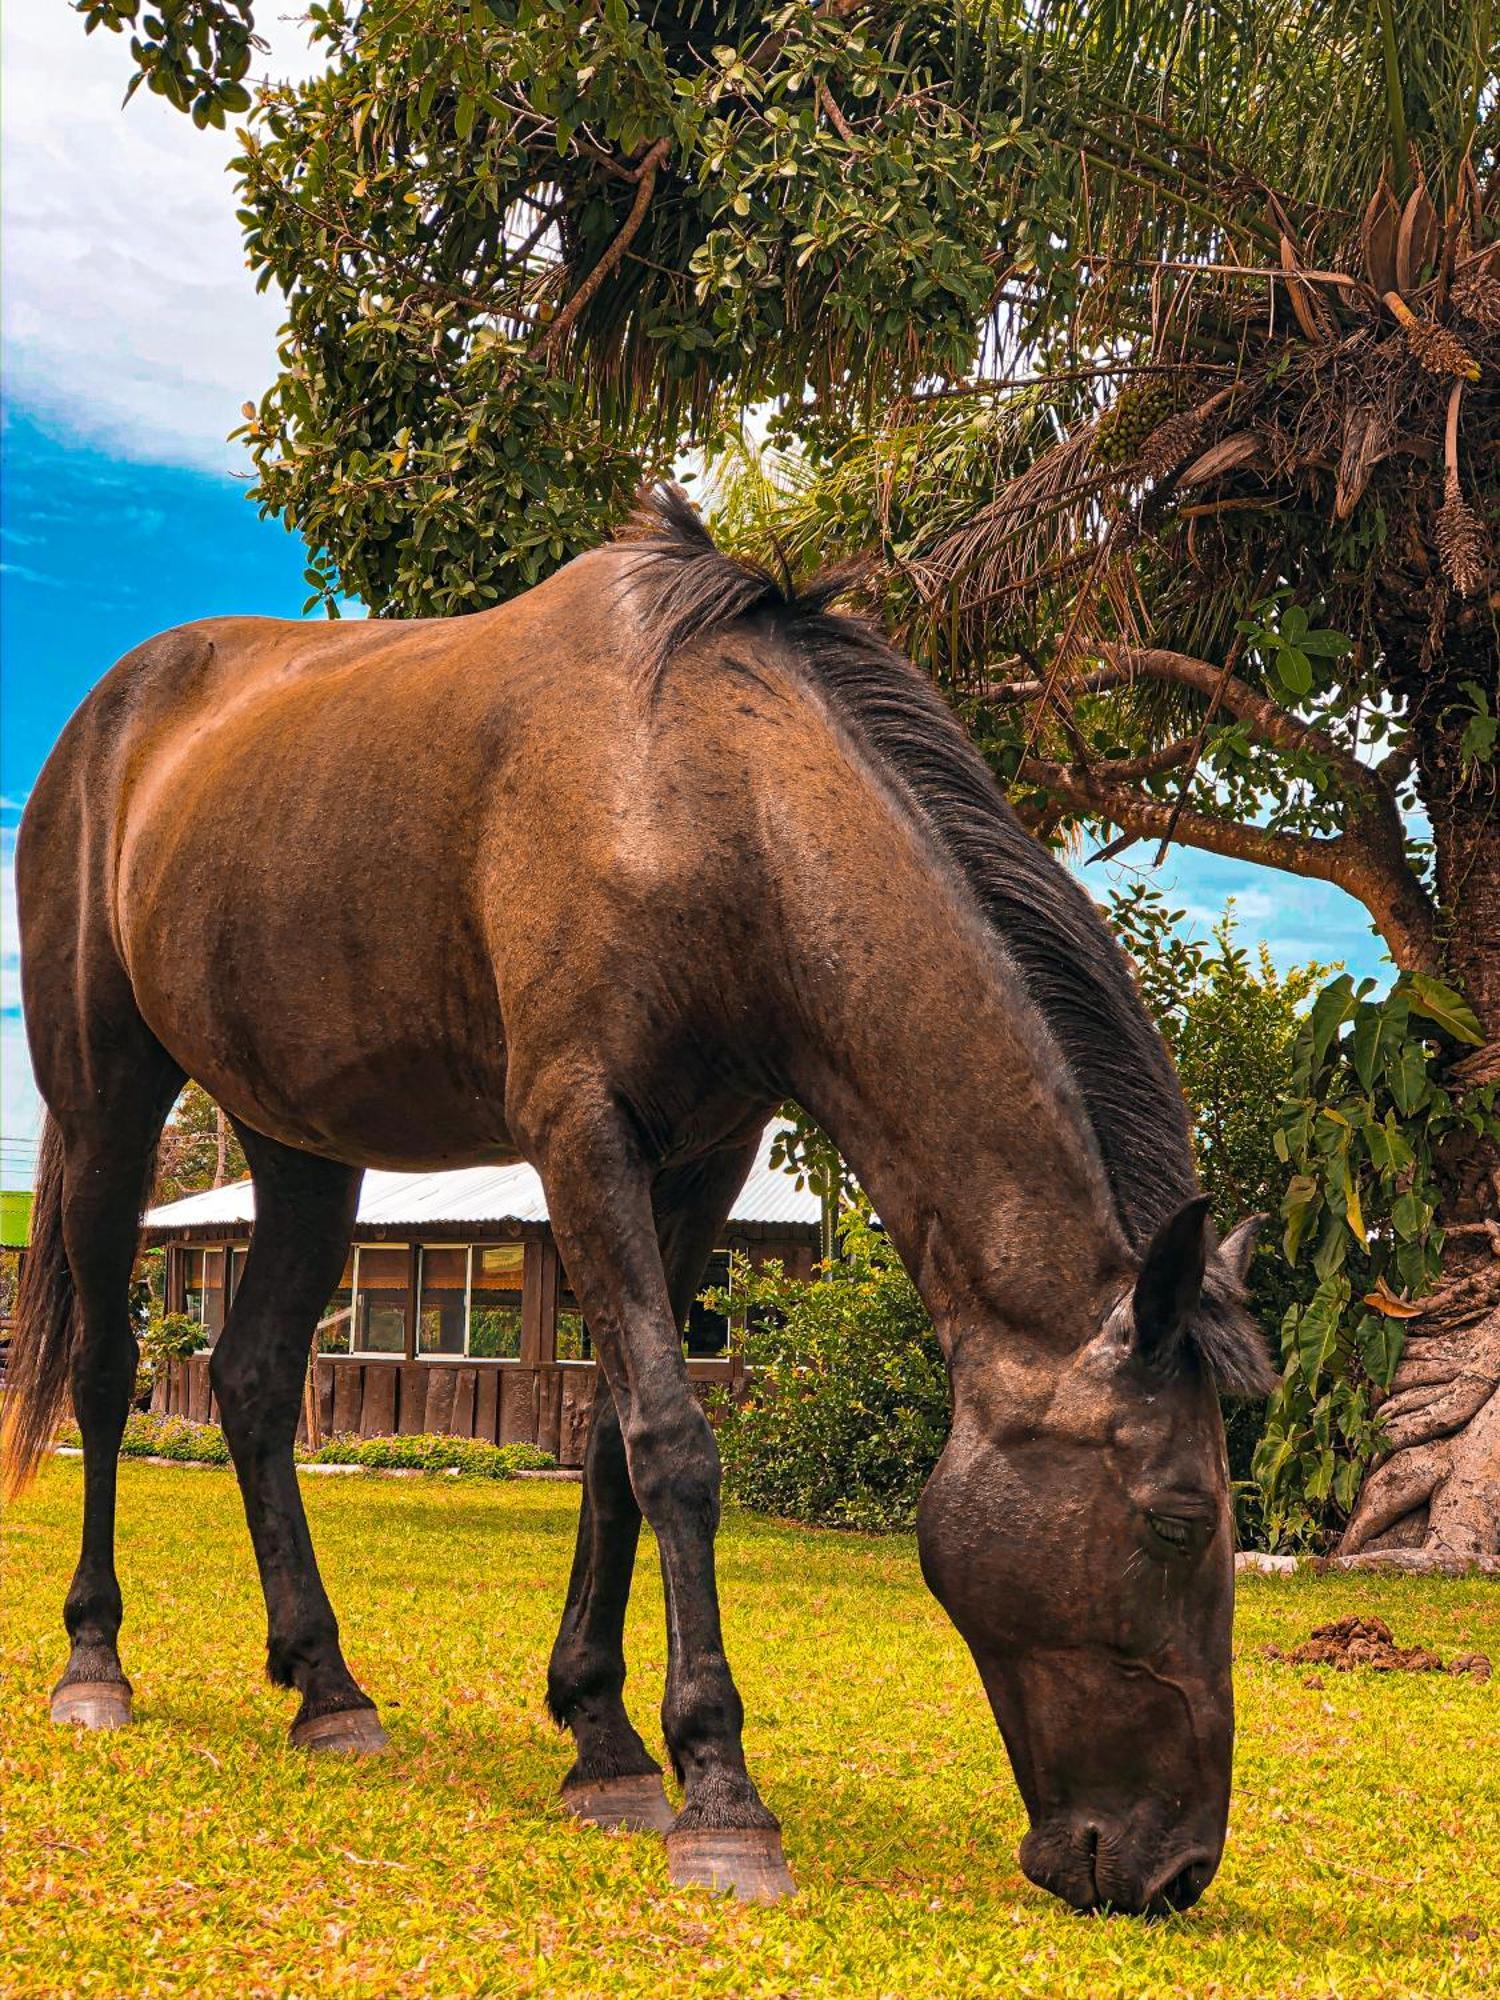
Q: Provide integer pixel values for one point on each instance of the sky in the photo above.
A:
(131, 333)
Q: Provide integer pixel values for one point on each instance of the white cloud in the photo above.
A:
(129, 316)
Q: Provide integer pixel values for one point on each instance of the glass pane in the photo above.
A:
(213, 1293)
(707, 1333)
(338, 1314)
(440, 1313)
(192, 1284)
(380, 1299)
(573, 1343)
(495, 1301)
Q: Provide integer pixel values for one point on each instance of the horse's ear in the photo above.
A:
(1170, 1282)
(1238, 1247)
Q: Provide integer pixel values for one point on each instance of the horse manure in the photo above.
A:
(1367, 1642)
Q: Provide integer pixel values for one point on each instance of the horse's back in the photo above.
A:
(328, 858)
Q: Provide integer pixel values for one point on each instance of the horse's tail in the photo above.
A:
(41, 1352)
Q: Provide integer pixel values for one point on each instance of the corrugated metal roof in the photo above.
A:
(477, 1195)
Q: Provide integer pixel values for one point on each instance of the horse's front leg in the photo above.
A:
(599, 1198)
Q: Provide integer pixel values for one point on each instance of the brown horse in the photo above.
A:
(598, 878)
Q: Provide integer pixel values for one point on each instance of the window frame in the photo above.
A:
(490, 1360)
(354, 1353)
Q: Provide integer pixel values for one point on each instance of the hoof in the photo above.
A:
(633, 1805)
(350, 1732)
(748, 1861)
(92, 1704)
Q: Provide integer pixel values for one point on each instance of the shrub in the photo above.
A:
(848, 1408)
(433, 1453)
(164, 1338)
(1361, 1130)
(151, 1436)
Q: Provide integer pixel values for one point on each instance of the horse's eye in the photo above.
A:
(1173, 1530)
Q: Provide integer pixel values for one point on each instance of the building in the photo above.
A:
(453, 1313)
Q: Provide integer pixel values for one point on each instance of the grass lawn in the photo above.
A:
(196, 1854)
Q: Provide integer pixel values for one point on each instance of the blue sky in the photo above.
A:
(132, 333)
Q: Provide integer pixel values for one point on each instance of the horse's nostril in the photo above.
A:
(1185, 1887)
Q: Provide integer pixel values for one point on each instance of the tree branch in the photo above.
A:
(1267, 719)
(1100, 682)
(1146, 819)
(644, 188)
(1368, 861)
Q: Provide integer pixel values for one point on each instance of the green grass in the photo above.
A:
(196, 1854)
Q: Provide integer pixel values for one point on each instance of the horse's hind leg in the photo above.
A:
(106, 1159)
(304, 1213)
(615, 1781)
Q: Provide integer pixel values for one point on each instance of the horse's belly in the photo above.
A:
(355, 1014)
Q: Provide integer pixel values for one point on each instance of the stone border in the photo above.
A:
(555, 1473)
(1379, 1562)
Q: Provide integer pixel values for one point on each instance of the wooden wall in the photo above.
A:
(536, 1400)
(501, 1402)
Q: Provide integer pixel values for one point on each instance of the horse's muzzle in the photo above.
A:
(1090, 1866)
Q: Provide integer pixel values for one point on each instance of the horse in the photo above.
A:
(598, 878)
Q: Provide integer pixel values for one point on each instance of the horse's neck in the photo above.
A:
(927, 1067)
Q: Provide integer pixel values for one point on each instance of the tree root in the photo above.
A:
(1439, 1488)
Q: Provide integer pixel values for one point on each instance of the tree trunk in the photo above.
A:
(1438, 1489)
(221, 1147)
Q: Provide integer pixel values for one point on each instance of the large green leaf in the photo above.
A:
(1437, 1002)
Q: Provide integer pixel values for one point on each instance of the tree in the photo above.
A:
(1183, 327)
(198, 1148)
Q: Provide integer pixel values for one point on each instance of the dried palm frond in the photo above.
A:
(1367, 438)
(1417, 239)
(1230, 454)
(1378, 233)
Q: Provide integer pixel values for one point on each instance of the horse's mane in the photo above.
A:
(1074, 972)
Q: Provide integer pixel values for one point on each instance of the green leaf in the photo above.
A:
(1325, 645)
(1380, 1341)
(1410, 1214)
(1294, 670)
(1318, 1329)
(1330, 1011)
(1407, 1078)
(1437, 1002)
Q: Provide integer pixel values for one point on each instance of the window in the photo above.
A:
(215, 1302)
(573, 1342)
(380, 1291)
(706, 1335)
(495, 1300)
(192, 1284)
(443, 1299)
(338, 1314)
